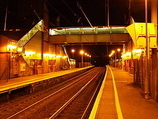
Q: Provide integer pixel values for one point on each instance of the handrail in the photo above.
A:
(25, 39)
(87, 30)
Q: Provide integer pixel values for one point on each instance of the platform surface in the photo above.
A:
(14, 83)
(120, 98)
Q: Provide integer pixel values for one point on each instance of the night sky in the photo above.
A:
(22, 13)
(96, 11)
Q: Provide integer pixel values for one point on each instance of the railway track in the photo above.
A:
(70, 99)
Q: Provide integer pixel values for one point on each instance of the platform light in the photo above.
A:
(72, 50)
(29, 53)
(46, 55)
(58, 56)
(64, 57)
(85, 54)
(20, 49)
(11, 47)
(81, 52)
(137, 53)
(118, 50)
(112, 53)
(52, 55)
(126, 56)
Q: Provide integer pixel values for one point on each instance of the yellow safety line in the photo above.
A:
(117, 103)
(97, 101)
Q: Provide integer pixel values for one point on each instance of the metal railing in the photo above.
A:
(25, 39)
(88, 30)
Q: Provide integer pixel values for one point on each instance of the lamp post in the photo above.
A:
(90, 58)
(118, 51)
(115, 53)
(111, 54)
(82, 53)
(115, 58)
(73, 51)
(85, 58)
(147, 53)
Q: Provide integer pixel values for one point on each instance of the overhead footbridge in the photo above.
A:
(87, 35)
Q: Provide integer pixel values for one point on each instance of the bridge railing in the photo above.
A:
(27, 37)
(88, 30)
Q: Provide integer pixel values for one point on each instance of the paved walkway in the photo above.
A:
(119, 98)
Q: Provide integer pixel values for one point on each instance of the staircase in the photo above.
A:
(26, 38)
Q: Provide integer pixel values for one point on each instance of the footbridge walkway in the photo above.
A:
(88, 35)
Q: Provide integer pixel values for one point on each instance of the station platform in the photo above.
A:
(119, 98)
(16, 83)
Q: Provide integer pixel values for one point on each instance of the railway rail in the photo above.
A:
(72, 98)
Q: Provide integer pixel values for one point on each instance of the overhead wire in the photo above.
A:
(59, 12)
(36, 14)
(7, 11)
(6, 15)
(76, 15)
(69, 8)
(80, 7)
(40, 19)
(79, 18)
(20, 17)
